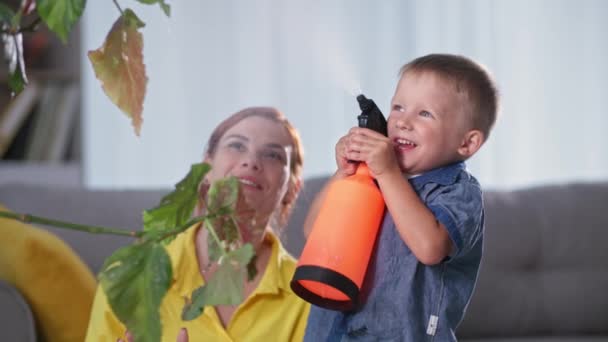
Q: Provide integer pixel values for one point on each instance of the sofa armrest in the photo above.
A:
(16, 319)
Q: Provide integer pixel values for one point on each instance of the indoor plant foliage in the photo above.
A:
(135, 278)
(118, 63)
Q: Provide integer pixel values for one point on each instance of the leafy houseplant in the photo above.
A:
(136, 278)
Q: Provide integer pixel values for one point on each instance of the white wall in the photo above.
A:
(309, 58)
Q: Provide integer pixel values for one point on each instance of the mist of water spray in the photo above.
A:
(332, 58)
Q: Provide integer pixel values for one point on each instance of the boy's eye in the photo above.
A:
(398, 108)
(426, 114)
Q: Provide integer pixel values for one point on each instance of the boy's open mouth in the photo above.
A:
(404, 144)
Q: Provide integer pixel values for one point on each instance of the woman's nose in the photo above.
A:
(251, 160)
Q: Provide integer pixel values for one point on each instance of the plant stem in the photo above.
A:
(118, 6)
(236, 224)
(33, 26)
(187, 225)
(213, 233)
(181, 228)
(26, 218)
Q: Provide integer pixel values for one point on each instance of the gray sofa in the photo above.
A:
(544, 275)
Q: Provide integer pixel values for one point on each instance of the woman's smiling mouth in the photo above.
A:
(249, 183)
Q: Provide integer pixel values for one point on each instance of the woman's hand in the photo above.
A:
(182, 336)
(128, 337)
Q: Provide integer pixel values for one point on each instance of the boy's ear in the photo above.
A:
(471, 143)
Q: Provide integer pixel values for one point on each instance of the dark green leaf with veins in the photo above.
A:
(135, 280)
(176, 208)
(60, 15)
(226, 285)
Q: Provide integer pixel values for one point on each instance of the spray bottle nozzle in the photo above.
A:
(371, 117)
(364, 102)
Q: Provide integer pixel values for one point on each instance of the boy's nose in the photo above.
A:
(403, 124)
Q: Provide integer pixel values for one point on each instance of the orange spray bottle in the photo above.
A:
(334, 261)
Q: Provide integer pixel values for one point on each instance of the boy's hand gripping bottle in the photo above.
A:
(333, 263)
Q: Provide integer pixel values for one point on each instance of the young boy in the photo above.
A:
(429, 248)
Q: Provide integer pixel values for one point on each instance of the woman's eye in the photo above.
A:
(237, 145)
(273, 155)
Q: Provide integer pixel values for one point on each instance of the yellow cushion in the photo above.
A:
(57, 284)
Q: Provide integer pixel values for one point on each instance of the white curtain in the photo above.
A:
(309, 59)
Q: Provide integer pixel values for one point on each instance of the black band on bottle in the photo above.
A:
(328, 277)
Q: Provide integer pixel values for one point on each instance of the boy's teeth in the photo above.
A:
(405, 142)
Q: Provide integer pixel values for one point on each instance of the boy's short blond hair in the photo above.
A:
(469, 77)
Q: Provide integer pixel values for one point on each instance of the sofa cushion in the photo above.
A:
(545, 264)
(16, 320)
(57, 285)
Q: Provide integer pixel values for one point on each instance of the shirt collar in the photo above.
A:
(445, 175)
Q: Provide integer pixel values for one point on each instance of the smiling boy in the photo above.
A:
(429, 249)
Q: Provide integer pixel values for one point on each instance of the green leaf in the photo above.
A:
(135, 279)
(16, 22)
(176, 208)
(13, 54)
(223, 193)
(17, 81)
(214, 250)
(119, 65)
(6, 15)
(222, 199)
(133, 20)
(226, 285)
(13, 49)
(164, 6)
(60, 15)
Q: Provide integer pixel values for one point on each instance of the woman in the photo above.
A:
(263, 150)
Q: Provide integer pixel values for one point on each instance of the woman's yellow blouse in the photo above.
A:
(272, 312)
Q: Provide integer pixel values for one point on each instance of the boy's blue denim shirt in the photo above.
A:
(403, 299)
